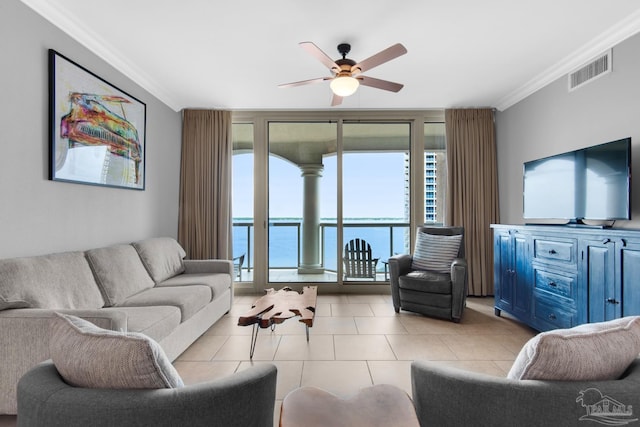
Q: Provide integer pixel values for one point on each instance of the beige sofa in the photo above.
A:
(145, 287)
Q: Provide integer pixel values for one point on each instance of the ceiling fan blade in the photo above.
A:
(380, 84)
(320, 55)
(336, 100)
(379, 58)
(305, 82)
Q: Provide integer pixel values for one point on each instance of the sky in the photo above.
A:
(373, 187)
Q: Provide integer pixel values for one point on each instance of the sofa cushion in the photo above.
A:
(92, 357)
(218, 282)
(589, 352)
(119, 272)
(435, 252)
(162, 256)
(189, 299)
(156, 322)
(58, 281)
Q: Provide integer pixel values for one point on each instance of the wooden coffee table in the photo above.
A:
(276, 307)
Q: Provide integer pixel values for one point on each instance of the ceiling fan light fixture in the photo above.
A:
(344, 85)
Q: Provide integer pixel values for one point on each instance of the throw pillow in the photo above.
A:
(435, 252)
(119, 272)
(91, 357)
(57, 281)
(162, 256)
(589, 352)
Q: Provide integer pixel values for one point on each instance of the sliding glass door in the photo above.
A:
(329, 200)
(375, 197)
(297, 202)
(309, 165)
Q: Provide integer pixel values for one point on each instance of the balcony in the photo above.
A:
(285, 246)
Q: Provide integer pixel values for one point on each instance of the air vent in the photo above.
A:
(591, 71)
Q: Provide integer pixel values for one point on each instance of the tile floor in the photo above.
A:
(356, 341)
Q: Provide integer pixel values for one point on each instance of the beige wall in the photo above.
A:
(40, 216)
(553, 121)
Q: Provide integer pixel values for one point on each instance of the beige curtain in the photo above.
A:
(472, 199)
(204, 223)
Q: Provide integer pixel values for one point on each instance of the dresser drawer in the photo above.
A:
(552, 314)
(562, 251)
(563, 285)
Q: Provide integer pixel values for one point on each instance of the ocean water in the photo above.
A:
(283, 240)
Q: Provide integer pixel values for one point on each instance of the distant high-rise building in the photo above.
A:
(434, 187)
(407, 187)
(430, 187)
(434, 190)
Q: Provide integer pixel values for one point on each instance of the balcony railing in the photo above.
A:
(385, 238)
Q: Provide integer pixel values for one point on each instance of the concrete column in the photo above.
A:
(310, 259)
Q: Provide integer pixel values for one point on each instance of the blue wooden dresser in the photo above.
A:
(560, 276)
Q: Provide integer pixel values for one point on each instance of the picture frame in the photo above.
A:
(97, 131)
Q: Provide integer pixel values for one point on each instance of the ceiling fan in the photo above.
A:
(346, 72)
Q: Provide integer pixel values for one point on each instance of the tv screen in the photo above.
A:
(591, 183)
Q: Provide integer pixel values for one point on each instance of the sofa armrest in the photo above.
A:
(446, 396)
(200, 266)
(24, 342)
(245, 398)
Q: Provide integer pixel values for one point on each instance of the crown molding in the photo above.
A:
(101, 48)
(613, 36)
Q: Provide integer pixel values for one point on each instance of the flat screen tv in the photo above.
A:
(592, 183)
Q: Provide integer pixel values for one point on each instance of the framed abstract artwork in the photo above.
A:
(97, 131)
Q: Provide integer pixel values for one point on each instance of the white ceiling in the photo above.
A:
(234, 54)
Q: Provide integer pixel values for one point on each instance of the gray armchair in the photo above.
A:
(430, 293)
(444, 396)
(243, 399)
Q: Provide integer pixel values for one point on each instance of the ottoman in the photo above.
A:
(376, 406)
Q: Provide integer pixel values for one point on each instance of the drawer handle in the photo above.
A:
(552, 316)
(552, 252)
(612, 301)
(553, 284)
